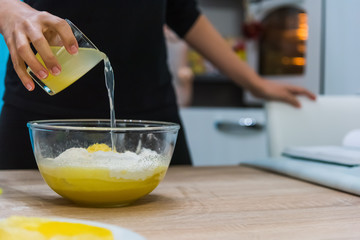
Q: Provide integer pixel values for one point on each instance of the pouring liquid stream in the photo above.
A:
(110, 84)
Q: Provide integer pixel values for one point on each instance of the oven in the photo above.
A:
(283, 41)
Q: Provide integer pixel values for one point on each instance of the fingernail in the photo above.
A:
(74, 49)
(55, 71)
(29, 87)
(42, 74)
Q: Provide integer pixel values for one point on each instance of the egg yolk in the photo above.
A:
(98, 147)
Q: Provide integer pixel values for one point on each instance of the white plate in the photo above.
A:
(119, 233)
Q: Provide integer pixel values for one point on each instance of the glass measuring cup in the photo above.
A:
(73, 66)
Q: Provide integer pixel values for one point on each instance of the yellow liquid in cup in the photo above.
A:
(72, 67)
(18, 227)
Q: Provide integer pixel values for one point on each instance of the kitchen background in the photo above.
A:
(313, 43)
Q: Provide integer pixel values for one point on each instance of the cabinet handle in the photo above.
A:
(240, 125)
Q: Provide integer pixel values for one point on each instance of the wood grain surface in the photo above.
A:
(232, 202)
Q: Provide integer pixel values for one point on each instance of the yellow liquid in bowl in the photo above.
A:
(19, 228)
(98, 176)
(95, 186)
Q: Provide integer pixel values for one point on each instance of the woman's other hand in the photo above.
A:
(271, 90)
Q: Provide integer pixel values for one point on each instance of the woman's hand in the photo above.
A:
(21, 25)
(271, 90)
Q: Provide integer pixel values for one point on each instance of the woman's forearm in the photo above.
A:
(205, 39)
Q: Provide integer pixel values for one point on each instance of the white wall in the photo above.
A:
(225, 15)
(342, 47)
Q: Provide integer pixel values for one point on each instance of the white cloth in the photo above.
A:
(352, 139)
(335, 176)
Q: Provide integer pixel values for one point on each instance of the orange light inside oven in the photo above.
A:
(302, 31)
(297, 61)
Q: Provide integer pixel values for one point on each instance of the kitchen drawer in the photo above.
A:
(225, 136)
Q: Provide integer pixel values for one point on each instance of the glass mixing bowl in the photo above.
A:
(90, 163)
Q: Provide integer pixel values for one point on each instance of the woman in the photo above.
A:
(130, 32)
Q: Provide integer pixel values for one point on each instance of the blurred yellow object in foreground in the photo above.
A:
(0, 191)
(34, 228)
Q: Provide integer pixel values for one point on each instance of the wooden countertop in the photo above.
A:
(234, 202)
